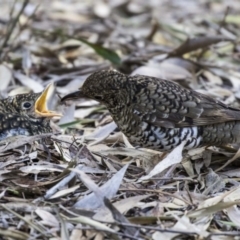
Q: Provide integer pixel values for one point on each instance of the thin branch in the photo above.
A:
(221, 24)
(11, 28)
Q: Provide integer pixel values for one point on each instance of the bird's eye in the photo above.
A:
(99, 98)
(26, 105)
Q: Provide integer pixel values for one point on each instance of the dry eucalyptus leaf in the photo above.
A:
(109, 189)
(47, 218)
(174, 157)
(234, 215)
(32, 84)
(122, 206)
(5, 77)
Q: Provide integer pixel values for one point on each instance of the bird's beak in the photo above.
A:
(41, 105)
(74, 95)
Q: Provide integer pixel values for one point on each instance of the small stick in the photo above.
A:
(11, 28)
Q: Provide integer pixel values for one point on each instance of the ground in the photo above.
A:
(86, 181)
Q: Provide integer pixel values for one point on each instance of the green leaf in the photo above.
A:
(73, 123)
(103, 52)
(228, 223)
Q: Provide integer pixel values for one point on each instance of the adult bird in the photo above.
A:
(26, 114)
(160, 114)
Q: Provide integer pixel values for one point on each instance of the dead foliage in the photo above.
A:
(89, 182)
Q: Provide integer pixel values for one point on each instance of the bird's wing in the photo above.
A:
(167, 104)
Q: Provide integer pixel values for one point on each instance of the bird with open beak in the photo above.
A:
(26, 114)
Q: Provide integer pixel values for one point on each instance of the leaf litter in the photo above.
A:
(86, 181)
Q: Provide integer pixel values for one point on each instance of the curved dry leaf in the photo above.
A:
(234, 215)
(123, 206)
(193, 44)
(90, 222)
(108, 190)
(119, 217)
(47, 218)
(174, 157)
(214, 183)
(183, 226)
(5, 77)
(70, 43)
(65, 192)
(213, 79)
(103, 131)
(68, 115)
(32, 84)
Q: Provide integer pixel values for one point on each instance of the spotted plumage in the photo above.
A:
(25, 114)
(160, 114)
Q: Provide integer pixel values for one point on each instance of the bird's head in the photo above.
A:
(32, 104)
(103, 86)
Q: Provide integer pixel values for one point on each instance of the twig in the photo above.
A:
(158, 229)
(154, 29)
(221, 24)
(106, 231)
(11, 12)
(10, 31)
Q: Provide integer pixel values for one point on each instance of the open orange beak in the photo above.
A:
(41, 105)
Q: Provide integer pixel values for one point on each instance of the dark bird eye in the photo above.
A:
(26, 105)
(99, 98)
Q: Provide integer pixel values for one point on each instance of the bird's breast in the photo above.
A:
(166, 139)
(15, 124)
(145, 134)
(13, 132)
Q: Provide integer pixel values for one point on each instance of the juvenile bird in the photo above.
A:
(26, 114)
(160, 114)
